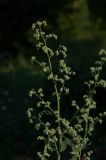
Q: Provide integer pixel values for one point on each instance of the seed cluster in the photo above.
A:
(76, 132)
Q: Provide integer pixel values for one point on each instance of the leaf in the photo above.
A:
(63, 145)
(68, 141)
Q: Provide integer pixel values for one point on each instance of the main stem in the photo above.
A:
(59, 128)
(59, 157)
(58, 108)
(58, 96)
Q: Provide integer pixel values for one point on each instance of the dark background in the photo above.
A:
(81, 26)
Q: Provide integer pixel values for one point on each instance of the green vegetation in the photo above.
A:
(81, 27)
(61, 133)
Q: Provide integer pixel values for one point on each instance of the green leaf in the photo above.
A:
(63, 145)
(68, 141)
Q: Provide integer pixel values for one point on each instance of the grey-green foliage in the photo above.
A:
(65, 134)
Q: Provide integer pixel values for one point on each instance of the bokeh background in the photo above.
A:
(81, 26)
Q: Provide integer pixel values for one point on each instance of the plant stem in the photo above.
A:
(59, 128)
(58, 96)
(58, 156)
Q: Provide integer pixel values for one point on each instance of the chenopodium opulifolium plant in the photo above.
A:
(64, 133)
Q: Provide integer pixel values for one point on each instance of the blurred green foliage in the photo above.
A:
(78, 22)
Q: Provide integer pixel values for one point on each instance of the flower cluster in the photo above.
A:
(76, 132)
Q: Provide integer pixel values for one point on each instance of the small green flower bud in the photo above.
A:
(104, 113)
(100, 121)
